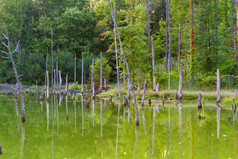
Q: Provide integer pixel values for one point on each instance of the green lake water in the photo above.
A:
(107, 130)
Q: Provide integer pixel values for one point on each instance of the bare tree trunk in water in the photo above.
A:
(75, 72)
(179, 35)
(48, 85)
(82, 75)
(9, 55)
(143, 97)
(113, 14)
(153, 64)
(128, 71)
(92, 75)
(46, 69)
(100, 87)
(180, 81)
(166, 53)
(52, 62)
(218, 87)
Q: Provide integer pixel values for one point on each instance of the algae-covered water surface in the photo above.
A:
(60, 129)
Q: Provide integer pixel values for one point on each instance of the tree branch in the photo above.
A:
(4, 44)
(4, 57)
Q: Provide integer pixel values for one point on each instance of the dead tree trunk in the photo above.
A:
(169, 35)
(157, 88)
(178, 50)
(100, 87)
(124, 79)
(46, 69)
(180, 81)
(234, 105)
(9, 55)
(60, 80)
(115, 41)
(105, 83)
(52, 62)
(129, 75)
(148, 26)
(54, 90)
(218, 87)
(92, 75)
(128, 88)
(166, 40)
(66, 83)
(75, 72)
(169, 57)
(199, 101)
(93, 91)
(48, 86)
(153, 64)
(128, 71)
(57, 75)
(82, 75)
(143, 98)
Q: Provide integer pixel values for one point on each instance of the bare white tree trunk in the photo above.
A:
(92, 75)
(128, 71)
(199, 100)
(66, 83)
(48, 86)
(180, 81)
(218, 87)
(9, 55)
(82, 75)
(115, 40)
(128, 88)
(157, 88)
(105, 83)
(153, 64)
(169, 57)
(52, 62)
(60, 79)
(46, 69)
(57, 75)
(100, 87)
(178, 49)
(75, 72)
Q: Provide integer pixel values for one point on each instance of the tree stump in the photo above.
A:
(199, 100)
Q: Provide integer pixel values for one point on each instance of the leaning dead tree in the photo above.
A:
(9, 55)
(128, 71)
(115, 41)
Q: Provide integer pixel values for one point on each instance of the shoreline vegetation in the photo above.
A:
(210, 96)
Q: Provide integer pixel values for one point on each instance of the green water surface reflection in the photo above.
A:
(60, 129)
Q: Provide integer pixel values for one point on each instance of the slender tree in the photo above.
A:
(9, 55)
(128, 71)
(52, 62)
(153, 64)
(82, 75)
(100, 87)
(113, 14)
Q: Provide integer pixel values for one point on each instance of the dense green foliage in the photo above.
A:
(86, 27)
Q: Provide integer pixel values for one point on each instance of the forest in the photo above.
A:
(200, 34)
